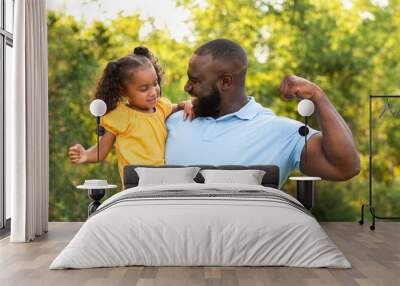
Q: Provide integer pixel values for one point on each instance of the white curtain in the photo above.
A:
(27, 158)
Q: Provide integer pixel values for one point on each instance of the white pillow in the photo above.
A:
(165, 176)
(248, 177)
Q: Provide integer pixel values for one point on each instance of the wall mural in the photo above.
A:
(322, 41)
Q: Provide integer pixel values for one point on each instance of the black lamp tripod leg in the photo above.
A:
(361, 221)
(372, 210)
(98, 132)
(98, 147)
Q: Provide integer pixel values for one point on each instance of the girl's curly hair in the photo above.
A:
(117, 73)
(143, 51)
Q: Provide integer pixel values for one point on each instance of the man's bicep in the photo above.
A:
(316, 163)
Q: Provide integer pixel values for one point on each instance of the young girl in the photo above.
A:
(130, 87)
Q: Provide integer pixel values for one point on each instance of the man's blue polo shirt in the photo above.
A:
(253, 135)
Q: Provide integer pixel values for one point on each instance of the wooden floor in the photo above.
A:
(375, 256)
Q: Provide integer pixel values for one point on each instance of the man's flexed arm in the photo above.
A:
(331, 155)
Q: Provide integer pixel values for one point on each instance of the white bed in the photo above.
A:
(251, 225)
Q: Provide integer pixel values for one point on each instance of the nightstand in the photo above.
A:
(305, 190)
(96, 191)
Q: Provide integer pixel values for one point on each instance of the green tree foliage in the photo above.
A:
(349, 52)
(72, 73)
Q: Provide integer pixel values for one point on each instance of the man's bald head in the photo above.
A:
(216, 78)
(229, 55)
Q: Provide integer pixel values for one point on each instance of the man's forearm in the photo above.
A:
(337, 139)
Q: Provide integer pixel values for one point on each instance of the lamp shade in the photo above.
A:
(98, 107)
(305, 107)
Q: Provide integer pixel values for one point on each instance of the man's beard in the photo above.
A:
(208, 105)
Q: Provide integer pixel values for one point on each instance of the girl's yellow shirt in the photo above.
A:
(139, 136)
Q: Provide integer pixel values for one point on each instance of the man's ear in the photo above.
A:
(226, 81)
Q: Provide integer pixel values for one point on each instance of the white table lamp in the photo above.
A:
(305, 108)
(98, 108)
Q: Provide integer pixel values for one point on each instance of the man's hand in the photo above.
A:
(299, 88)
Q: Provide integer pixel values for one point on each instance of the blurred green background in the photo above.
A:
(348, 50)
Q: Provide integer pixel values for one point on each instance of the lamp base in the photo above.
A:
(305, 190)
(95, 195)
(305, 193)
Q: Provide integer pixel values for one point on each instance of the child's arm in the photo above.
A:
(186, 106)
(78, 155)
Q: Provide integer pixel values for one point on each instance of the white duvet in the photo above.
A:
(183, 231)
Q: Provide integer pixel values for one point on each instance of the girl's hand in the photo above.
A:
(188, 110)
(77, 154)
